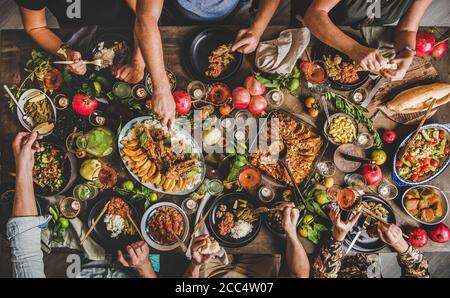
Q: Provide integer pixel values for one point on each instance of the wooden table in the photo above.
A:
(16, 46)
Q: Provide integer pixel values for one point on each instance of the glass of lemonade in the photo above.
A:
(85, 191)
(97, 142)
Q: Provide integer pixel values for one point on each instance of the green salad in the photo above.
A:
(47, 170)
(428, 151)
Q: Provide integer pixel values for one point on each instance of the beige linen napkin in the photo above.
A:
(279, 55)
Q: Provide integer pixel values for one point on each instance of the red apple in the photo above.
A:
(389, 136)
(372, 174)
(254, 86)
(241, 98)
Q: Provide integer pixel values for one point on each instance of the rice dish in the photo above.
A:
(241, 229)
(114, 224)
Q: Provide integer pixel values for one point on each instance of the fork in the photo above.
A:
(96, 62)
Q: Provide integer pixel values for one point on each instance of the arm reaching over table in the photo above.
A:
(320, 24)
(405, 40)
(149, 38)
(410, 259)
(137, 259)
(198, 258)
(35, 24)
(295, 253)
(328, 263)
(247, 39)
(132, 72)
(24, 227)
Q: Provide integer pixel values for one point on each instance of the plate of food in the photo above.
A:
(40, 109)
(210, 57)
(368, 240)
(231, 220)
(426, 158)
(114, 229)
(273, 219)
(165, 162)
(427, 204)
(340, 129)
(342, 72)
(112, 48)
(304, 143)
(54, 171)
(159, 224)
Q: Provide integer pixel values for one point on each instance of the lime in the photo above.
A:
(108, 151)
(320, 197)
(152, 197)
(303, 231)
(293, 84)
(97, 87)
(63, 223)
(128, 185)
(308, 219)
(103, 81)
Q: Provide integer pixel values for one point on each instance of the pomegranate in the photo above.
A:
(258, 105)
(372, 174)
(440, 233)
(424, 44)
(439, 49)
(254, 86)
(389, 136)
(84, 105)
(241, 98)
(418, 237)
(182, 101)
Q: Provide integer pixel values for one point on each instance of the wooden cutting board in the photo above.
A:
(421, 72)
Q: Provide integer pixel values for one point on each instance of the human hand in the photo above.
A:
(24, 146)
(78, 67)
(132, 72)
(398, 74)
(138, 259)
(163, 105)
(393, 236)
(246, 40)
(198, 258)
(290, 218)
(341, 228)
(369, 59)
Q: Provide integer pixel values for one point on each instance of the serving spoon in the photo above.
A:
(25, 117)
(282, 161)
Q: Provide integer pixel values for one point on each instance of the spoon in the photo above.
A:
(25, 117)
(282, 160)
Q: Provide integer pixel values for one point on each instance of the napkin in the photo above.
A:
(279, 55)
(221, 254)
(90, 248)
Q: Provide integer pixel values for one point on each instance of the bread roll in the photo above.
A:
(211, 247)
(418, 99)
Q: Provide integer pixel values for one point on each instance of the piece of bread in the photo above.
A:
(211, 247)
(418, 99)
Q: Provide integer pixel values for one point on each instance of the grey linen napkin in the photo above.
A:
(280, 55)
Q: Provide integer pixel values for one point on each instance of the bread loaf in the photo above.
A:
(418, 99)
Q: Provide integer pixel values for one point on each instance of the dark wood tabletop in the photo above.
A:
(16, 46)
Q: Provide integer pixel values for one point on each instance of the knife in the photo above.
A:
(363, 227)
(356, 158)
(381, 81)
